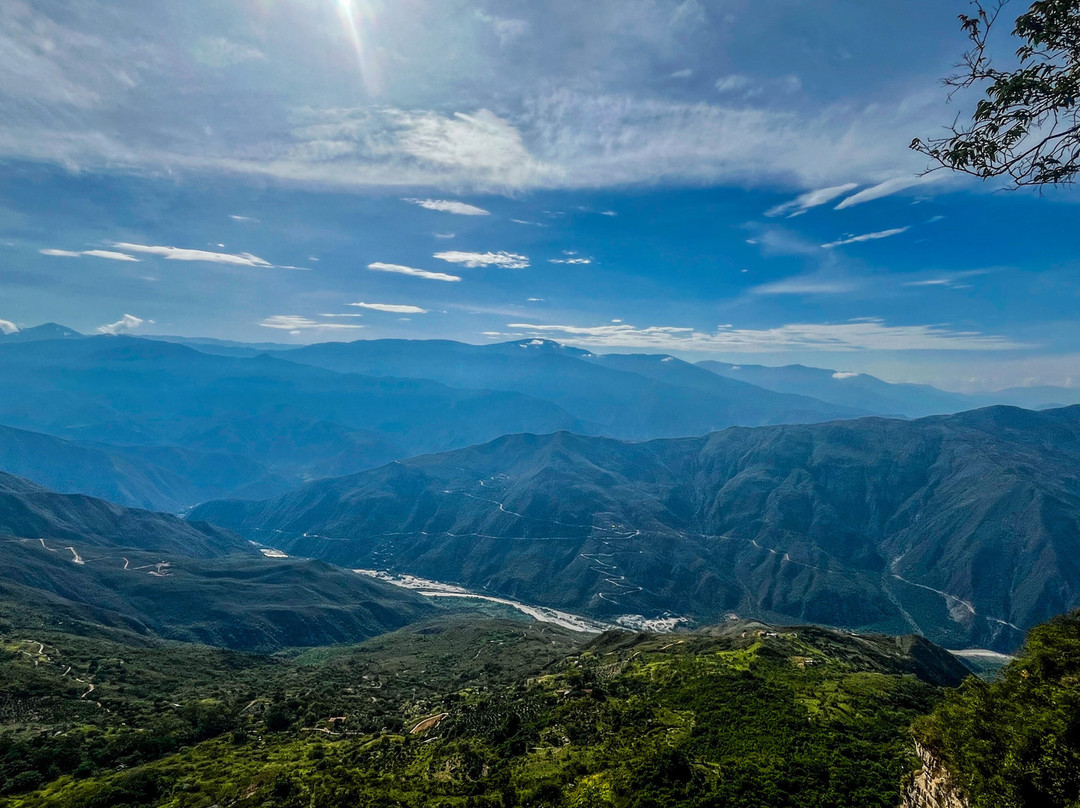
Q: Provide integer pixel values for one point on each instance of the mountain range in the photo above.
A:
(965, 528)
(85, 565)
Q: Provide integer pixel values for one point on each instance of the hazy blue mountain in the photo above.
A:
(161, 478)
(1039, 398)
(633, 397)
(47, 331)
(222, 347)
(44, 517)
(80, 563)
(300, 421)
(858, 390)
(964, 527)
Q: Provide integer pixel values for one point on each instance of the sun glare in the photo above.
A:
(358, 19)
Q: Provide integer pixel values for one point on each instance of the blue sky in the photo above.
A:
(710, 179)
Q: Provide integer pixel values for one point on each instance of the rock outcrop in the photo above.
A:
(931, 786)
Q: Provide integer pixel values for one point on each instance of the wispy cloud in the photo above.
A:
(392, 308)
(236, 217)
(125, 325)
(184, 254)
(865, 334)
(398, 269)
(474, 260)
(952, 280)
(296, 324)
(811, 199)
(109, 254)
(8, 327)
(450, 206)
(887, 188)
(570, 260)
(817, 284)
(895, 231)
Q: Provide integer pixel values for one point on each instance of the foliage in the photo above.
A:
(1016, 741)
(529, 717)
(1027, 126)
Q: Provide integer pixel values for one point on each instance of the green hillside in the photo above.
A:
(468, 714)
(1015, 742)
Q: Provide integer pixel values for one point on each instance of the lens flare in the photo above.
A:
(358, 18)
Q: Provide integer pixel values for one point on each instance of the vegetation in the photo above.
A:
(1016, 741)
(464, 713)
(1026, 127)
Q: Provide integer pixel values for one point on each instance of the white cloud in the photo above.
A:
(735, 83)
(608, 213)
(845, 374)
(8, 327)
(294, 323)
(895, 231)
(811, 199)
(861, 335)
(379, 266)
(570, 260)
(450, 206)
(98, 91)
(685, 73)
(182, 254)
(472, 260)
(393, 308)
(125, 325)
(236, 217)
(113, 256)
(883, 189)
(445, 235)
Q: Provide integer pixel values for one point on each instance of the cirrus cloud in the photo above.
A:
(110, 254)
(474, 260)
(894, 231)
(398, 269)
(864, 334)
(392, 308)
(450, 206)
(296, 323)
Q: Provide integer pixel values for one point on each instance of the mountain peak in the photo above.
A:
(38, 333)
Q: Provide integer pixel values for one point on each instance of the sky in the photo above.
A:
(724, 179)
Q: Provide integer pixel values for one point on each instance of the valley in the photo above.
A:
(570, 605)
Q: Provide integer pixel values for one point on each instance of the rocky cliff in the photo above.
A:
(931, 786)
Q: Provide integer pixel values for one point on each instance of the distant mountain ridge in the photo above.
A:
(626, 396)
(850, 389)
(965, 528)
(163, 478)
(91, 566)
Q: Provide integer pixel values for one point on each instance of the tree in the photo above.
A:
(1027, 126)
